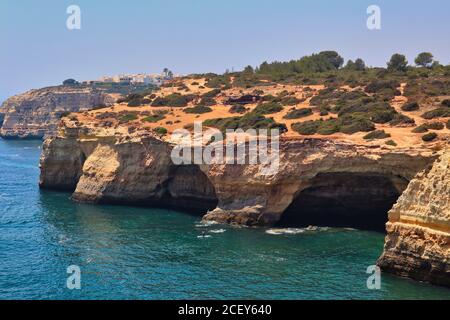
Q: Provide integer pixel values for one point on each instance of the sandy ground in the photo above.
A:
(176, 118)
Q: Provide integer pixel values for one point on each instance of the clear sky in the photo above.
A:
(190, 36)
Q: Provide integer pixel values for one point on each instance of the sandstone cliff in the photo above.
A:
(36, 113)
(418, 240)
(319, 181)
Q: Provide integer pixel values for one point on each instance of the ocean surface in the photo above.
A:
(144, 253)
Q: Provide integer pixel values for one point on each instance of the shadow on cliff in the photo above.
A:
(360, 201)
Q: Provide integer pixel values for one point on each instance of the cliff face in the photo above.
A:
(105, 165)
(36, 113)
(418, 240)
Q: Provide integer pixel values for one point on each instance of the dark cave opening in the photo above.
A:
(352, 200)
(189, 190)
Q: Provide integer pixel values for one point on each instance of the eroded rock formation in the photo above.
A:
(36, 113)
(418, 240)
(346, 182)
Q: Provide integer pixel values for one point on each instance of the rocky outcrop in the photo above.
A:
(418, 240)
(317, 180)
(36, 113)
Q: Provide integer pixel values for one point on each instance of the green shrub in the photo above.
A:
(153, 118)
(446, 103)
(379, 85)
(298, 113)
(250, 120)
(160, 131)
(135, 103)
(442, 112)
(377, 134)
(173, 100)
(347, 124)
(307, 127)
(435, 126)
(410, 106)
(212, 93)
(429, 136)
(401, 119)
(290, 101)
(198, 109)
(207, 101)
(268, 108)
(328, 127)
(237, 108)
(353, 123)
(420, 129)
(128, 117)
(391, 143)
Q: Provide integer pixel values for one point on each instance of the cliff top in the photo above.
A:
(377, 113)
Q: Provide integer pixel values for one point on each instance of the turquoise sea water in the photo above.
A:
(144, 253)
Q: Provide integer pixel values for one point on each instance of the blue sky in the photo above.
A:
(203, 35)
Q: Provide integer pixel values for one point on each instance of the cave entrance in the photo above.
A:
(352, 200)
(189, 190)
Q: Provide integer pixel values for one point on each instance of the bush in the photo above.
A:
(377, 134)
(420, 129)
(379, 85)
(429, 137)
(435, 126)
(347, 124)
(207, 101)
(298, 113)
(401, 119)
(160, 131)
(198, 109)
(410, 106)
(128, 117)
(290, 101)
(268, 108)
(251, 120)
(391, 143)
(442, 112)
(446, 103)
(173, 100)
(153, 118)
(212, 93)
(307, 127)
(237, 109)
(135, 103)
(350, 124)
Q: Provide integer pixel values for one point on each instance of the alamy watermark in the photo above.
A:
(74, 278)
(374, 19)
(245, 147)
(374, 280)
(73, 21)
